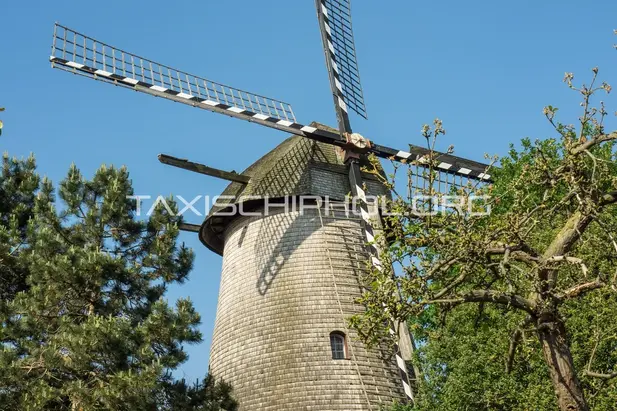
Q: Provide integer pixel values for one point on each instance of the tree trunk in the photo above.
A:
(570, 396)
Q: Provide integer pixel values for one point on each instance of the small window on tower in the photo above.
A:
(338, 345)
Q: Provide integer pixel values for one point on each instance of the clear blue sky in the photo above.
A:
(486, 68)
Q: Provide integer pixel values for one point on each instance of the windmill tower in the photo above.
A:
(291, 274)
(292, 266)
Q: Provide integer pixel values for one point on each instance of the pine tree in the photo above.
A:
(206, 395)
(18, 184)
(83, 321)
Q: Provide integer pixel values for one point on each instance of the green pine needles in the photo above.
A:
(83, 320)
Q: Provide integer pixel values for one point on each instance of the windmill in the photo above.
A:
(79, 54)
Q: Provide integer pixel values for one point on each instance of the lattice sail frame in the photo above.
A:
(80, 54)
(422, 183)
(341, 51)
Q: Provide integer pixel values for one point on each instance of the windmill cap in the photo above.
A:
(296, 167)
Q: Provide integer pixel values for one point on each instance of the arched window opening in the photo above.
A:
(338, 344)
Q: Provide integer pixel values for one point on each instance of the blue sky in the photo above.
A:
(486, 68)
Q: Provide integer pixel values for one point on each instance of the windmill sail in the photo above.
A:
(75, 52)
(337, 33)
(80, 54)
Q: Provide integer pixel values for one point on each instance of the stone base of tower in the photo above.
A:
(289, 280)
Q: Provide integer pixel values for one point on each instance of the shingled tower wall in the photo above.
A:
(289, 279)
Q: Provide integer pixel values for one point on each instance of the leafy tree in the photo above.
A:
(546, 250)
(463, 353)
(83, 322)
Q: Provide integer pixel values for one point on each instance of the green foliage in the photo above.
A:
(206, 395)
(463, 360)
(18, 184)
(83, 321)
(513, 307)
(463, 355)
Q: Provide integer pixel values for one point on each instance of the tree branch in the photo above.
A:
(568, 235)
(518, 253)
(594, 141)
(515, 341)
(489, 296)
(581, 289)
(443, 265)
(452, 285)
(593, 374)
(599, 375)
(561, 245)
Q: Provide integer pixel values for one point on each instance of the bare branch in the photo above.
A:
(442, 266)
(488, 296)
(601, 376)
(501, 250)
(593, 142)
(593, 374)
(581, 289)
(460, 279)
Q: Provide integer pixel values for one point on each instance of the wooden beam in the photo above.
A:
(192, 228)
(202, 169)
